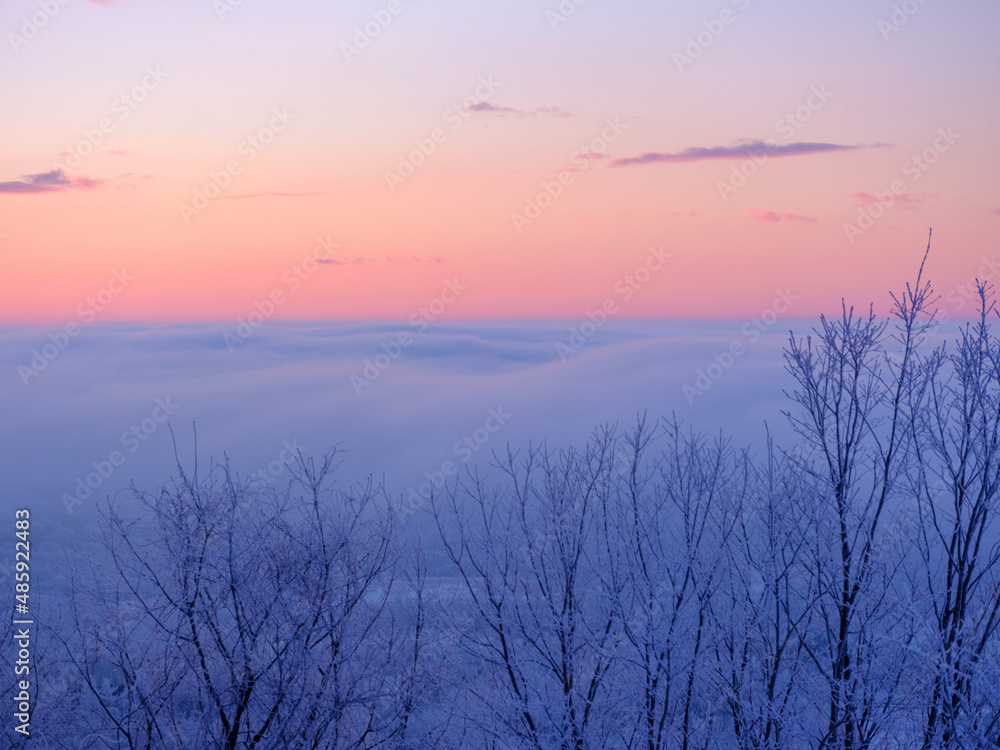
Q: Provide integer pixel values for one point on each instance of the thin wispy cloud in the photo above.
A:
(414, 259)
(48, 182)
(903, 200)
(759, 214)
(500, 111)
(343, 261)
(740, 150)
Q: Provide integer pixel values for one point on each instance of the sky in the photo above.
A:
(208, 160)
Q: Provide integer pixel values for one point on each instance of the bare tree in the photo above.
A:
(528, 553)
(771, 612)
(672, 514)
(851, 400)
(239, 617)
(956, 426)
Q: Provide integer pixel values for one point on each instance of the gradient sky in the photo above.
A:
(68, 224)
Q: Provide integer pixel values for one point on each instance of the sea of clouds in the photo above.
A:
(96, 417)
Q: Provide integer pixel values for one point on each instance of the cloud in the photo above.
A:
(759, 214)
(298, 374)
(496, 109)
(903, 200)
(590, 158)
(343, 261)
(414, 259)
(492, 108)
(552, 112)
(912, 200)
(739, 150)
(87, 183)
(48, 182)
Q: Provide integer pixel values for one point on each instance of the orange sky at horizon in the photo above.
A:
(763, 151)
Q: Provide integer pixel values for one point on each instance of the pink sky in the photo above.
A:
(628, 122)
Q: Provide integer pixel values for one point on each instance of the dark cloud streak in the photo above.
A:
(740, 150)
(48, 182)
